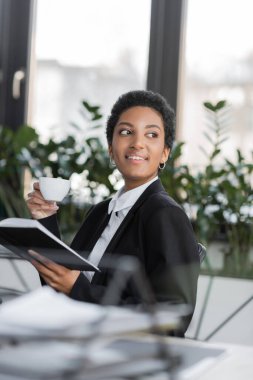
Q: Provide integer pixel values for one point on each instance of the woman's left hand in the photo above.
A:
(57, 276)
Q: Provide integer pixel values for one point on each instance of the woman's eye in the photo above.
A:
(152, 134)
(125, 132)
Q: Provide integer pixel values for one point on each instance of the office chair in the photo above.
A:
(202, 252)
(202, 255)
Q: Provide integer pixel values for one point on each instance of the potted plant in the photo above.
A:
(15, 156)
(237, 213)
(222, 196)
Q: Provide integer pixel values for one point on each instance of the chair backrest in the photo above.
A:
(202, 252)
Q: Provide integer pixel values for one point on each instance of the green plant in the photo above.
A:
(237, 213)
(174, 175)
(221, 192)
(202, 186)
(81, 156)
(15, 155)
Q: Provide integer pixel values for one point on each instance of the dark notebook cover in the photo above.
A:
(19, 235)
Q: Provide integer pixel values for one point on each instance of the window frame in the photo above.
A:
(166, 33)
(15, 48)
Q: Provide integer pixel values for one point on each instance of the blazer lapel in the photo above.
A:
(155, 187)
(98, 226)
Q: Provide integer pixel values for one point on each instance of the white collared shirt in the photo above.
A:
(118, 207)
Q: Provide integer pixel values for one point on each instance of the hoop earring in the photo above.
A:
(112, 163)
(162, 165)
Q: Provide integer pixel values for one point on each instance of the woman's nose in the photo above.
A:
(137, 141)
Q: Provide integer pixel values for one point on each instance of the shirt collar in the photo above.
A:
(122, 200)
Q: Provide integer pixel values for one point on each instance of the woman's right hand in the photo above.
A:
(38, 206)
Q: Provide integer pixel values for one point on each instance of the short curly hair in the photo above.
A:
(143, 98)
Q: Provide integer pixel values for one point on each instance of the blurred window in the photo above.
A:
(93, 50)
(217, 64)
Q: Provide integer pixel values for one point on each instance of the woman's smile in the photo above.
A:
(135, 157)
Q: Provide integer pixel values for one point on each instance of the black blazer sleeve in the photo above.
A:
(51, 224)
(172, 263)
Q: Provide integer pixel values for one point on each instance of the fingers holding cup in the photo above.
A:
(38, 206)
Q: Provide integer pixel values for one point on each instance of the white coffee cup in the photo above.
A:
(54, 189)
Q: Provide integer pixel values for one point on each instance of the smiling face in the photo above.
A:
(138, 145)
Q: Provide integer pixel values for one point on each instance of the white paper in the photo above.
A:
(46, 309)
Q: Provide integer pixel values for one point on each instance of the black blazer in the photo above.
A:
(158, 233)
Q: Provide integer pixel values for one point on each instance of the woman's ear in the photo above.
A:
(110, 150)
(166, 153)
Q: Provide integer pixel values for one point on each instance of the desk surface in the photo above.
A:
(216, 361)
(235, 364)
(43, 359)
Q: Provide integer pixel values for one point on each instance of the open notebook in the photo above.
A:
(19, 235)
